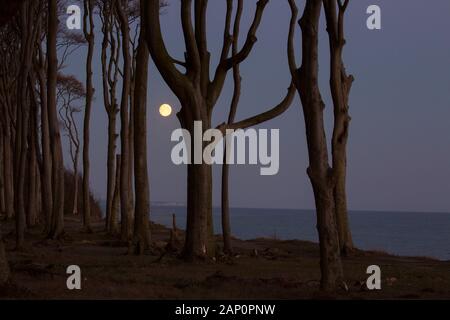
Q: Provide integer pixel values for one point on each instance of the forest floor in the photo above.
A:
(261, 269)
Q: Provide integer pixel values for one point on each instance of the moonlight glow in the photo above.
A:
(165, 110)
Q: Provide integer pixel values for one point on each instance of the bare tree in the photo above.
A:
(28, 35)
(125, 186)
(340, 84)
(57, 222)
(9, 69)
(89, 34)
(198, 95)
(113, 226)
(319, 171)
(142, 209)
(70, 91)
(226, 226)
(110, 71)
(40, 70)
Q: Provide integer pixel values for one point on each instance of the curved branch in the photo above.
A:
(291, 49)
(219, 78)
(163, 61)
(193, 56)
(265, 116)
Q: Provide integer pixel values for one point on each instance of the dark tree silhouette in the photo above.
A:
(198, 95)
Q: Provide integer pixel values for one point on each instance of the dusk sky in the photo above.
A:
(399, 143)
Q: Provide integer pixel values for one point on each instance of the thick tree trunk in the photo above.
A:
(142, 207)
(199, 238)
(319, 172)
(2, 175)
(22, 123)
(89, 35)
(4, 267)
(57, 222)
(21, 152)
(199, 241)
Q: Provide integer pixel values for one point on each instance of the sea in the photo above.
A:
(424, 234)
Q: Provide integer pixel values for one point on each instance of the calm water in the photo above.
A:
(402, 233)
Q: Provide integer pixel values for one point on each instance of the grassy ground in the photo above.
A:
(262, 269)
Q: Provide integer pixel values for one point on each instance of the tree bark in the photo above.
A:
(23, 120)
(142, 237)
(8, 171)
(113, 227)
(32, 212)
(109, 66)
(57, 222)
(340, 85)
(125, 192)
(226, 226)
(319, 171)
(47, 197)
(2, 174)
(89, 35)
(4, 267)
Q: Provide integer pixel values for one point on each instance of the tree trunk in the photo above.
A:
(226, 227)
(125, 192)
(199, 241)
(22, 122)
(46, 180)
(319, 172)
(340, 85)
(111, 168)
(75, 187)
(4, 267)
(8, 172)
(57, 222)
(2, 175)
(89, 35)
(142, 207)
(199, 234)
(113, 227)
(32, 213)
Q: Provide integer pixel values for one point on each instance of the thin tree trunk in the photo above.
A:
(32, 213)
(125, 192)
(142, 207)
(75, 186)
(57, 223)
(46, 181)
(111, 168)
(226, 226)
(89, 35)
(113, 227)
(8, 172)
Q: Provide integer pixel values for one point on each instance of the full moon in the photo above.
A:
(165, 110)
